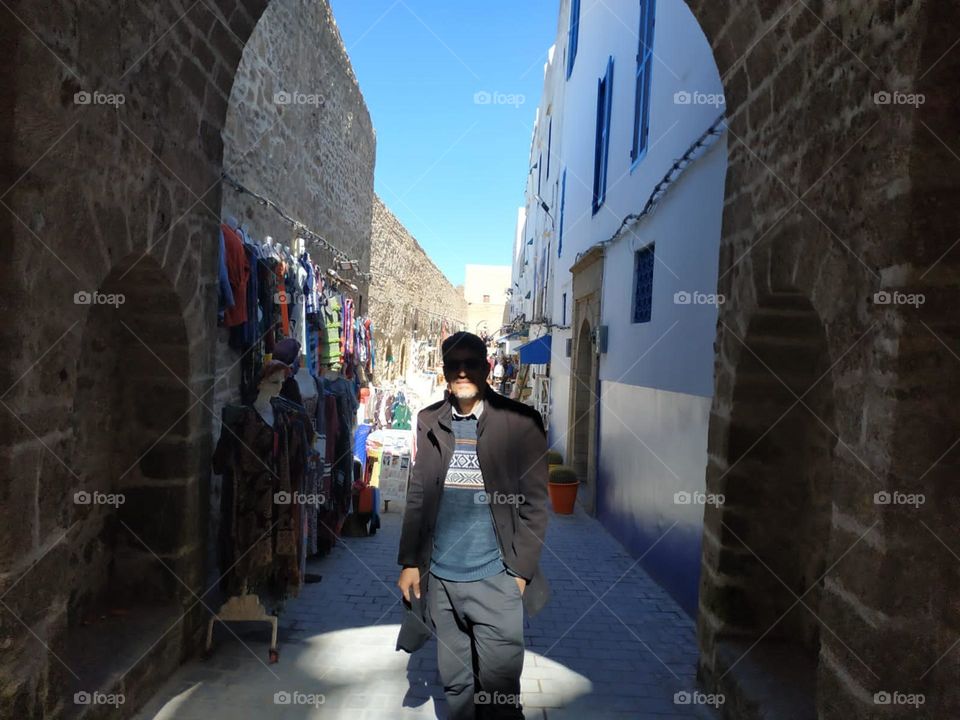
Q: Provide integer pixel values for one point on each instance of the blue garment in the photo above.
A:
(360, 443)
(370, 335)
(465, 545)
(313, 339)
(225, 299)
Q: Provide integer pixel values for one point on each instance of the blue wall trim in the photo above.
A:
(675, 561)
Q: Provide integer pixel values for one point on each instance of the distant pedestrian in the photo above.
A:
(498, 372)
(508, 374)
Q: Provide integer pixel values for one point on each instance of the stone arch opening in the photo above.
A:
(774, 523)
(583, 403)
(135, 500)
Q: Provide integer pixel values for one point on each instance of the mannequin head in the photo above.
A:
(271, 379)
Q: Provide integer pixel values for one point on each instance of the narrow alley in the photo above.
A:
(624, 329)
(611, 644)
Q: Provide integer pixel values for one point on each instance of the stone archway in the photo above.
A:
(93, 191)
(815, 200)
(771, 535)
(583, 416)
(136, 497)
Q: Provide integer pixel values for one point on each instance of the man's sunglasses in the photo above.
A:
(469, 364)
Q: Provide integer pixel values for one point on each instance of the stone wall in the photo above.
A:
(407, 291)
(833, 196)
(299, 133)
(111, 129)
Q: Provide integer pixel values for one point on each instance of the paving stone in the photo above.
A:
(622, 657)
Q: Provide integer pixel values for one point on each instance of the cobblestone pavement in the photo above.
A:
(610, 644)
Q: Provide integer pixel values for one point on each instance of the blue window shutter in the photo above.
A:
(549, 145)
(598, 142)
(606, 127)
(604, 108)
(641, 108)
(573, 35)
(563, 203)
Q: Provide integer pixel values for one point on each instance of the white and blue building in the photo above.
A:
(616, 260)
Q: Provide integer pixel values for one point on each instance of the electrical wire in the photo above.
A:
(300, 228)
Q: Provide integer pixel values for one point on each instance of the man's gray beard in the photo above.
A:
(464, 394)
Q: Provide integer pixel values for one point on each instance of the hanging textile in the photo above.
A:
(238, 273)
(268, 302)
(281, 270)
(225, 294)
(330, 352)
(261, 536)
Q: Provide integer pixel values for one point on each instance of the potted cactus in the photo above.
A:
(562, 488)
(553, 459)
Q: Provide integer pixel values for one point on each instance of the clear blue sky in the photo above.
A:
(451, 169)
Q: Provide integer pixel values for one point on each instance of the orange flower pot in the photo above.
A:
(563, 496)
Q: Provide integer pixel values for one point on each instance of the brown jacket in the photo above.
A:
(512, 450)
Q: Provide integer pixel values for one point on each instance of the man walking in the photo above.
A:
(498, 372)
(473, 529)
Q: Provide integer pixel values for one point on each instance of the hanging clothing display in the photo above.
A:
(262, 467)
(283, 306)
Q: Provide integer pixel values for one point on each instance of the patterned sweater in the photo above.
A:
(465, 544)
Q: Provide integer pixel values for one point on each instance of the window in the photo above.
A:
(563, 321)
(563, 202)
(539, 173)
(602, 141)
(573, 35)
(486, 298)
(643, 284)
(641, 100)
(549, 145)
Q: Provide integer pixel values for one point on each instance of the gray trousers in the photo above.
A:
(479, 627)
